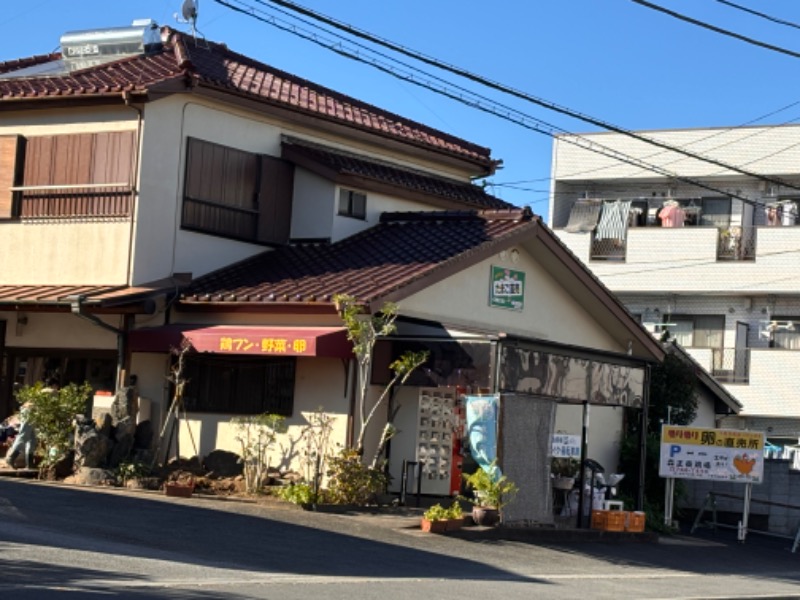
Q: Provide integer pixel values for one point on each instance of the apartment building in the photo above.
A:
(699, 236)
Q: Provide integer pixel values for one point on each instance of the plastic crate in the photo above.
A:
(615, 520)
(599, 519)
(636, 521)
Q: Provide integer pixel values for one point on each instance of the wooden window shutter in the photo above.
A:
(11, 159)
(275, 200)
(112, 157)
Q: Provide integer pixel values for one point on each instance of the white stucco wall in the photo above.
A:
(549, 313)
(65, 252)
(58, 330)
(161, 248)
(319, 383)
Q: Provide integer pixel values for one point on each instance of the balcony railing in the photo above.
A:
(731, 365)
(736, 243)
(733, 243)
(608, 249)
(87, 200)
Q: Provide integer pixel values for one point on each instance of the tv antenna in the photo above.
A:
(189, 10)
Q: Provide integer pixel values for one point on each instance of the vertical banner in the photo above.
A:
(482, 429)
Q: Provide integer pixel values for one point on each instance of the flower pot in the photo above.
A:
(455, 524)
(563, 483)
(179, 490)
(485, 516)
(439, 526)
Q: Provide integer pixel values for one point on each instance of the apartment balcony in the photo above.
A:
(733, 243)
(692, 259)
(727, 365)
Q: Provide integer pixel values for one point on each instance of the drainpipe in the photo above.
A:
(76, 307)
(126, 97)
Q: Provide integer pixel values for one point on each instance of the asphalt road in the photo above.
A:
(67, 542)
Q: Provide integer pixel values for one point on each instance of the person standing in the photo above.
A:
(24, 441)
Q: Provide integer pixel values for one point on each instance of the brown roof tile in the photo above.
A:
(215, 66)
(343, 163)
(403, 249)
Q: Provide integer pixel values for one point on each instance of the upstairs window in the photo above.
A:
(236, 194)
(76, 175)
(352, 204)
(696, 331)
(784, 333)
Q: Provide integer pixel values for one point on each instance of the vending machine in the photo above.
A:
(438, 446)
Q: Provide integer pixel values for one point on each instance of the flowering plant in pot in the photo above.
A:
(491, 491)
(434, 520)
(563, 472)
(455, 516)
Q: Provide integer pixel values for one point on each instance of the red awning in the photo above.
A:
(245, 339)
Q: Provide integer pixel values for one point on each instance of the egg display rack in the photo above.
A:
(435, 426)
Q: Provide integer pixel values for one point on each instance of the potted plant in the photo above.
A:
(563, 471)
(434, 520)
(491, 491)
(455, 516)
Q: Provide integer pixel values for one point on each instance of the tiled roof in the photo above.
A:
(343, 163)
(402, 250)
(183, 61)
(52, 294)
(91, 295)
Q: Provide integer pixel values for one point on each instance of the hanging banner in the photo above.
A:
(712, 454)
(482, 429)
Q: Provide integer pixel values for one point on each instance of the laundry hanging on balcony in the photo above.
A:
(614, 221)
(584, 215)
(672, 214)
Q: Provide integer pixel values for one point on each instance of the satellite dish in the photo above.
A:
(189, 10)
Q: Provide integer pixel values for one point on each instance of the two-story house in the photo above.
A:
(698, 242)
(158, 190)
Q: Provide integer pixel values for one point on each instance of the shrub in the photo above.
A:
(52, 414)
(437, 512)
(298, 493)
(256, 435)
(352, 482)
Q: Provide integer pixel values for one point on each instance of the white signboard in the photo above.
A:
(712, 454)
(566, 446)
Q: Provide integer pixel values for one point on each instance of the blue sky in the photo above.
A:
(611, 59)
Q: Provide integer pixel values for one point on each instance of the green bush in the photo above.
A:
(297, 493)
(52, 414)
(437, 512)
(352, 482)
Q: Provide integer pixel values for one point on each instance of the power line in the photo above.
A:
(716, 29)
(510, 114)
(759, 14)
(514, 92)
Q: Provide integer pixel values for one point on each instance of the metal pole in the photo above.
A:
(643, 440)
(748, 494)
(584, 450)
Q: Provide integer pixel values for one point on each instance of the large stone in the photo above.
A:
(103, 424)
(91, 476)
(91, 449)
(223, 463)
(123, 442)
(124, 405)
